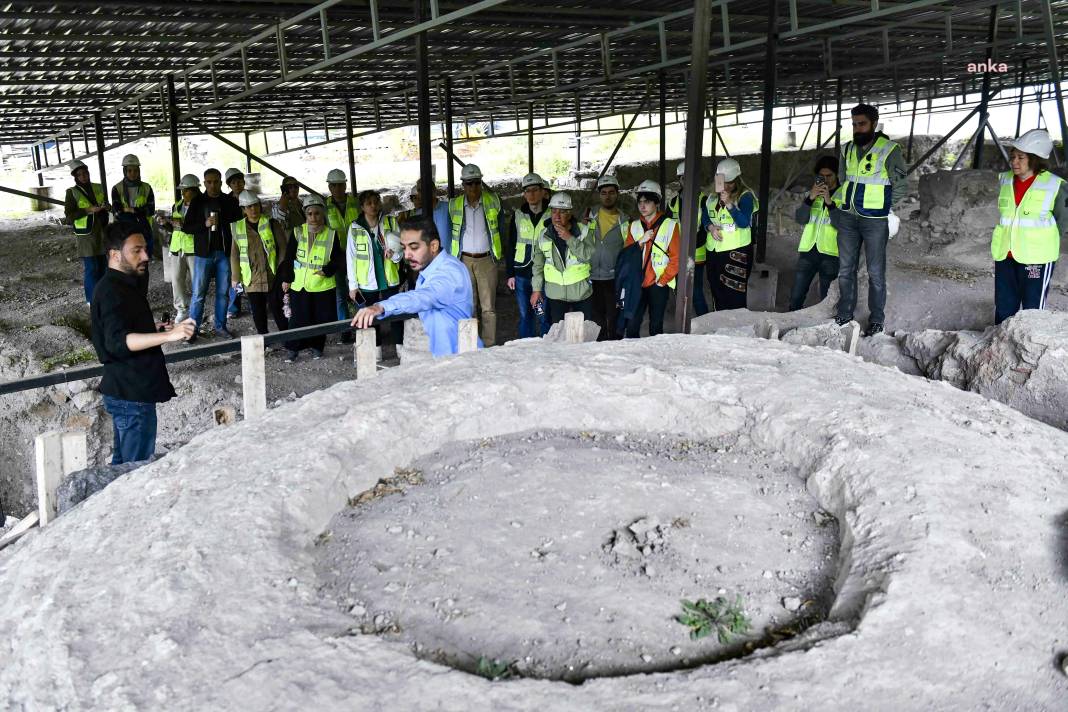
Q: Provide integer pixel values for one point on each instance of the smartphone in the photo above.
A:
(820, 180)
(360, 301)
(720, 183)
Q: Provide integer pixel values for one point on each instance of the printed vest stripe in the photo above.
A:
(734, 237)
(525, 229)
(491, 208)
(312, 255)
(1029, 230)
(338, 222)
(239, 230)
(574, 271)
(867, 184)
(84, 224)
(180, 241)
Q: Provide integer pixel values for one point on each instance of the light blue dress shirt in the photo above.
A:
(441, 222)
(442, 297)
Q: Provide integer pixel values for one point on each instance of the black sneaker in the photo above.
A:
(317, 354)
(841, 321)
(291, 356)
(876, 327)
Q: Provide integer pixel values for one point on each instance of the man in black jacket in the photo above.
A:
(208, 221)
(127, 343)
(520, 234)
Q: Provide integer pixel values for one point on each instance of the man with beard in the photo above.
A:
(608, 228)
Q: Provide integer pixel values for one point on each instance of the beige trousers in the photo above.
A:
(483, 272)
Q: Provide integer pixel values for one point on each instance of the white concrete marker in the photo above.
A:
(365, 353)
(57, 454)
(253, 376)
(468, 337)
(852, 338)
(573, 322)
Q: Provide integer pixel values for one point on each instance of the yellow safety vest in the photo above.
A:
(574, 271)
(700, 254)
(84, 224)
(180, 241)
(525, 231)
(239, 230)
(867, 184)
(491, 206)
(312, 255)
(819, 231)
(142, 195)
(364, 265)
(338, 222)
(1028, 230)
(659, 251)
(733, 236)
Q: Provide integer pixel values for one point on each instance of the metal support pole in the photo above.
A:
(172, 121)
(422, 88)
(912, 124)
(769, 117)
(31, 196)
(530, 137)
(819, 119)
(941, 141)
(37, 164)
(98, 126)
(242, 151)
(1055, 74)
(622, 138)
(838, 121)
(449, 176)
(984, 96)
(715, 126)
(662, 82)
(248, 153)
(697, 94)
(348, 145)
(1019, 108)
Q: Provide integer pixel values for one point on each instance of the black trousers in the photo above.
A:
(558, 307)
(310, 308)
(655, 299)
(262, 302)
(605, 312)
(728, 276)
(393, 332)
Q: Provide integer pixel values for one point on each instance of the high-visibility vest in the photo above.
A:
(1028, 230)
(338, 222)
(239, 230)
(700, 254)
(660, 249)
(312, 255)
(818, 229)
(140, 200)
(867, 183)
(491, 207)
(526, 230)
(84, 224)
(574, 270)
(364, 265)
(733, 236)
(180, 241)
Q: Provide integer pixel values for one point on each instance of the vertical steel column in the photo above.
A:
(697, 94)
(984, 96)
(449, 177)
(248, 155)
(172, 121)
(98, 125)
(661, 79)
(578, 133)
(530, 137)
(349, 147)
(37, 164)
(422, 88)
(1019, 108)
(1055, 74)
(715, 125)
(765, 141)
(912, 124)
(838, 121)
(819, 121)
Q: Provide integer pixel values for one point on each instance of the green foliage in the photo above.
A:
(720, 616)
(71, 358)
(495, 669)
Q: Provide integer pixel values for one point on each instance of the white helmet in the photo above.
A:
(232, 173)
(313, 200)
(651, 186)
(680, 169)
(75, 165)
(729, 169)
(608, 181)
(248, 198)
(532, 179)
(189, 181)
(393, 242)
(130, 160)
(1036, 141)
(560, 201)
(336, 176)
(471, 172)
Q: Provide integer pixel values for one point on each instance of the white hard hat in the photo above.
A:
(393, 242)
(607, 181)
(471, 172)
(532, 179)
(729, 169)
(336, 176)
(232, 173)
(189, 181)
(680, 169)
(130, 160)
(75, 165)
(248, 198)
(651, 186)
(314, 199)
(1036, 141)
(560, 201)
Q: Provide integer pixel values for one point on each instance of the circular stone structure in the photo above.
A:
(192, 584)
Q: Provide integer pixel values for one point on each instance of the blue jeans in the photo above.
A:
(809, 264)
(872, 233)
(700, 304)
(93, 269)
(135, 429)
(204, 268)
(341, 294)
(523, 289)
(233, 303)
(1019, 286)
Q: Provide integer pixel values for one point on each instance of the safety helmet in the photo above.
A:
(189, 181)
(532, 179)
(75, 165)
(393, 242)
(1036, 141)
(608, 181)
(232, 173)
(130, 160)
(650, 186)
(560, 201)
(248, 198)
(471, 172)
(336, 176)
(314, 199)
(729, 169)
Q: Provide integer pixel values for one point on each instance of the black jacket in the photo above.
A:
(195, 216)
(630, 272)
(511, 237)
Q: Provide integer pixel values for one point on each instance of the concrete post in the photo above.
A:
(573, 322)
(468, 337)
(56, 454)
(364, 353)
(253, 377)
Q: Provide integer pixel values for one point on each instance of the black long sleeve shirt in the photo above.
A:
(206, 241)
(120, 307)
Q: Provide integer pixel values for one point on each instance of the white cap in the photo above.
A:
(75, 165)
(336, 176)
(232, 173)
(189, 181)
(607, 181)
(471, 172)
(729, 169)
(532, 179)
(130, 160)
(313, 199)
(651, 186)
(560, 201)
(1036, 141)
(248, 198)
(680, 169)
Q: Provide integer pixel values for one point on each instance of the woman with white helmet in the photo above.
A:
(258, 247)
(372, 258)
(727, 218)
(561, 271)
(658, 236)
(1027, 239)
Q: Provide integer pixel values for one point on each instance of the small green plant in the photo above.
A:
(720, 616)
(71, 358)
(495, 669)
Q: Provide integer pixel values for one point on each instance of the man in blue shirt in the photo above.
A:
(442, 294)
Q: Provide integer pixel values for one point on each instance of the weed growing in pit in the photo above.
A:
(495, 669)
(720, 616)
(71, 358)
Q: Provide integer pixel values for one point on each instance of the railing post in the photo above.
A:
(56, 454)
(573, 325)
(253, 377)
(363, 353)
(468, 337)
